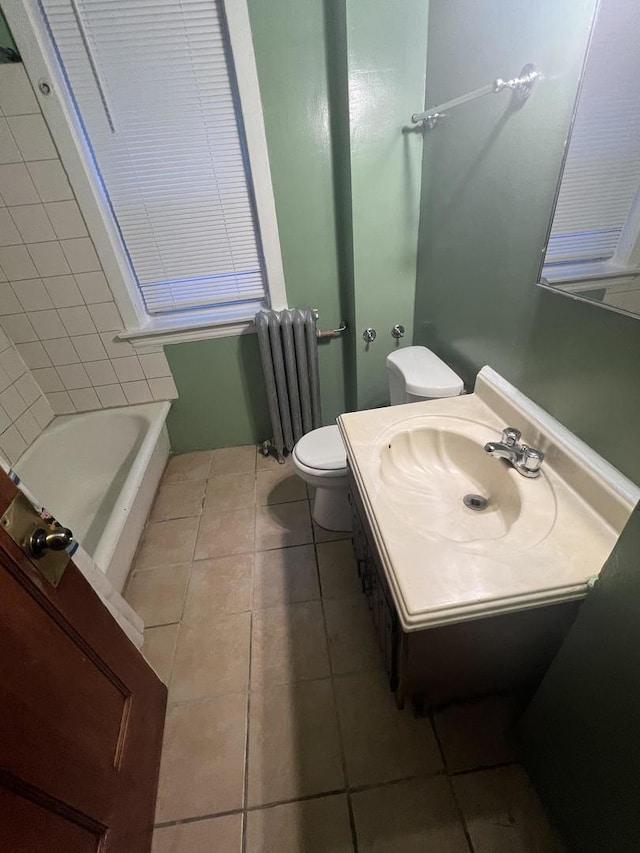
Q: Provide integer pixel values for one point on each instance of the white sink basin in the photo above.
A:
(431, 468)
(539, 541)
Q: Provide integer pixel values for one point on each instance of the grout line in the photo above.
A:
(461, 817)
(245, 787)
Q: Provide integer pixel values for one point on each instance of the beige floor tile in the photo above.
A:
(225, 533)
(294, 746)
(418, 816)
(165, 543)
(188, 466)
(202, 765)
(157, 595)
(338, 570)
(503, 813)
(178, 500)
(352, 641)
(159, 649)
(382, 743)
(322, 535)
(233, 460)
(230, 491)
(282, 525)
(217, 835)
(288, 644)
(478, 734)
(219, 586)
(311, 826)
(212, 658)
(280, 486)
(285, 576)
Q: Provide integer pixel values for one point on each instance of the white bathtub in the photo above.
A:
(97, 473)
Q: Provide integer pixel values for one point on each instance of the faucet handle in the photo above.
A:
(511, 436)
(531, 460)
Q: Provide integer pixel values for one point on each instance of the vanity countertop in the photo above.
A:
(570, 519)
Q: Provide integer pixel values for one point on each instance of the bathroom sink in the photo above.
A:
(443, 483)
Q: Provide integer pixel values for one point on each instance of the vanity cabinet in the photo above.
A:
(434, 666)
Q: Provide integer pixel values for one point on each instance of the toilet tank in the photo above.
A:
(416, 373)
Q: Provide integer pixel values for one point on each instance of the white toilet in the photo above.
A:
(414, 374)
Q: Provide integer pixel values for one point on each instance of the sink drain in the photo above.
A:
(475, 502)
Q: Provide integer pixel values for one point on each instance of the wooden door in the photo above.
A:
(81, 716)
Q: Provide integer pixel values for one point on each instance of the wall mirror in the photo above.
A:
(593, 245)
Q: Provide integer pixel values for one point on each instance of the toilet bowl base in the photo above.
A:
(331, 509)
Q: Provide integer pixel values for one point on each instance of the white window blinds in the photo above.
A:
(602, 171)
(154, 90)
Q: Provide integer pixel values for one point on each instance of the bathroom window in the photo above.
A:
(156, 87)
(596, 224)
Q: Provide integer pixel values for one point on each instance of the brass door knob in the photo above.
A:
(42, 541)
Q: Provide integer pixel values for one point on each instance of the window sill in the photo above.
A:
(580, 274)
(176, 330)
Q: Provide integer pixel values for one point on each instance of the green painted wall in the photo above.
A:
(488, 188)
(289, 43)
(582, 732)
(6, 39)
(387, 57)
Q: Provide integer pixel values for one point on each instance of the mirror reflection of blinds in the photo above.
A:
(158, 102)
(602, 171)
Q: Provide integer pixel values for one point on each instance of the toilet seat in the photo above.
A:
(322, 452)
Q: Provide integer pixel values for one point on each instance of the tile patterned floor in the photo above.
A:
(281, 734)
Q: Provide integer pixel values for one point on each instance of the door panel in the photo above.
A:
(82, 716)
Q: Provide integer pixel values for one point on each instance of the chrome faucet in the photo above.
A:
(526, 460)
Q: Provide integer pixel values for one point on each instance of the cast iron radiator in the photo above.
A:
(289, 351)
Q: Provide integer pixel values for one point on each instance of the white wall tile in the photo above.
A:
(48, 379)
(12, 364)
(89, 348)
(66, 219)
(155, 365)
(42, 411)
(12, 402)
(164, 388)
(101, 373)
(28, 427)
(19, 328)
(32, 222)
(63, 291)
(28, 388)
(61, 403)
(48, 324)
(106, 317)
(9, 152)
(74, 376)
(77, 321)
(111, 395)
(32, 137)
(85, 399)
(5, 420)
(80, 254)
(116, 349)
(32, 294)
(94, 287)
(9, 302)
(128, 369)
(12, 444)
(50, 180)
(16, 186)
(61, 351)
(16, 263)
(49, 259)
(135, 392)
(16, 94)
(34, 355)
(9, 234)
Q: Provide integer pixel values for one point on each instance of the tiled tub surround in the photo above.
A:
(55, 302)
(24, 411)
(281, 734)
